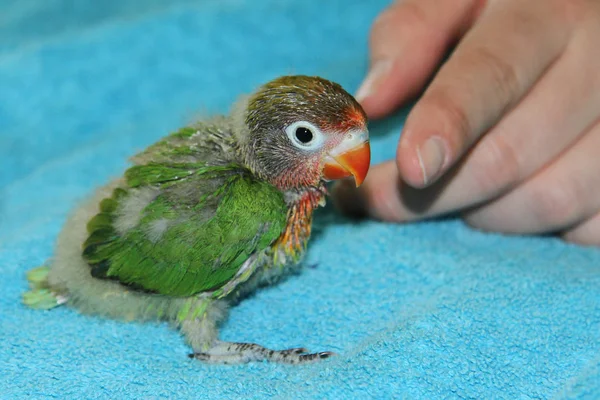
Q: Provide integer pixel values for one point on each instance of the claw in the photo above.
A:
(199, 356)
(326, 354)
(297, 350)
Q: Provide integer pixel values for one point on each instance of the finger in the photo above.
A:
(529, 137)
(497, 62)
(587, 233)
(561, 195)
(382, 196)
(407, 42)
(375, 197)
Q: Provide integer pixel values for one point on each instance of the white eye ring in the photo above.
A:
(304, 142)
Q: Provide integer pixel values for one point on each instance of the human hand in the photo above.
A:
(508, 130)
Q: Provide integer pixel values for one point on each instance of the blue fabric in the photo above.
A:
(428, 310)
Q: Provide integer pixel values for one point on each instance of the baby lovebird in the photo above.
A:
(208, 214)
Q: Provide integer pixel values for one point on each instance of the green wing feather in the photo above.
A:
(207, 238)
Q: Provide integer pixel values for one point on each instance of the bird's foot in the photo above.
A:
(241, 353)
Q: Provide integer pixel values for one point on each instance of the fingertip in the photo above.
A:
(409, 164)
(422, 164)
(407, 41)
(386, 86)
(376, 75)
(349, 199)
(379, 197)
(369, 92)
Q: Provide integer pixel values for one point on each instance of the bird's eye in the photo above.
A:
(304, 135)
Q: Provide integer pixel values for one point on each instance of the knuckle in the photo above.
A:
(497, 165)
(575, 236)
(453, 115)
(476, 219)
(412, 13)
(556, 205)
(586, 233)
(571, 12)
(503, 75)
(405, 15)
(384, 22)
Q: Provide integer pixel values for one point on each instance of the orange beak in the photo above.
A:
(352, 157)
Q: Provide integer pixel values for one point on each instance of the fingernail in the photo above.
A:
(432, 157)
(378, 71)
(348, 199)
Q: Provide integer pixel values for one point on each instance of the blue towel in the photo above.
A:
(426, 310)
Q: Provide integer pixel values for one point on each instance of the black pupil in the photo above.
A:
(304, 135)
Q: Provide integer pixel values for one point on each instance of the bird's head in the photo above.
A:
(301, 131)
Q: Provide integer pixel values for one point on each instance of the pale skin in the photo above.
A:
(505, 131)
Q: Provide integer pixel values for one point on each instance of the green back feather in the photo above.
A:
(208, 235)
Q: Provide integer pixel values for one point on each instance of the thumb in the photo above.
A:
(407, 42)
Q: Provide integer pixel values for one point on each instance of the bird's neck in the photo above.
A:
(302, 203)
(308, 197)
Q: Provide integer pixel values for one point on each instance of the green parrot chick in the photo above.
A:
(209, 213)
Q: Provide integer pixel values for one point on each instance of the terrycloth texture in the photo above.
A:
(430, 310)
